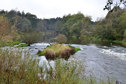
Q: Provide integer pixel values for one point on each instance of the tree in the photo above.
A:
(22, 24)
(41, 26)
(31, 37)
(61, 38)
(123, 20)
(4, 26)
(113, 3)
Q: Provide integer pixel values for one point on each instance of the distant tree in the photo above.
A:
(123, 20)
(112, 26)
(61, 38)
(11, 14)
(4, 26)
(22, 24)
(32, 18)
(32, 37)
(41, 26)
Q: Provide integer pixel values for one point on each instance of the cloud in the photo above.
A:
(57, 8)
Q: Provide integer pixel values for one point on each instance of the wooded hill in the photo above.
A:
(78, 28)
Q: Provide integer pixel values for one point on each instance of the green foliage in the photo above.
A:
(76, 28)
(31, 37)
(117, 42)
(77, 49)
(74, 37)
(23, 45)
(10, 43)
(123, 20)
(40, 53)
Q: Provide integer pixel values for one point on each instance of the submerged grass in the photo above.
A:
(18, 68)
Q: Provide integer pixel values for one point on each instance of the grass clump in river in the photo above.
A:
(15, 69)
(58, 51)
(23, 45)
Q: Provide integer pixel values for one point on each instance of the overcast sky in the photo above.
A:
(57, 8)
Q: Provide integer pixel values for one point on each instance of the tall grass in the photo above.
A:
(56, 48)
(15, 69)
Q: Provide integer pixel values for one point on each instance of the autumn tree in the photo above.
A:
(61, 38)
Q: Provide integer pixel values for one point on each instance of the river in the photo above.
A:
(101, 61)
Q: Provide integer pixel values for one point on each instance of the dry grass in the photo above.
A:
(57, 48)
(15, 69)
(57, 51)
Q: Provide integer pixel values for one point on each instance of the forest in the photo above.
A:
(76, 28)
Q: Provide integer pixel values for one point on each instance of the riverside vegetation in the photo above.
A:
(58, 51)
(17, 70)
(76, 28)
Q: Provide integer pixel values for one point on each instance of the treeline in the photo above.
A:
(77, 28)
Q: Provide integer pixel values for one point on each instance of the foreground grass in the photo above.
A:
(18, 69)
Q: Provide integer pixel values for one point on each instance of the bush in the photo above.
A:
(31, 37)
(61, 38)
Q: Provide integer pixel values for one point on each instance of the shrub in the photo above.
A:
(31, 37)
(61, 38)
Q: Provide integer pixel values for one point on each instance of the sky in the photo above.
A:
(57, 8)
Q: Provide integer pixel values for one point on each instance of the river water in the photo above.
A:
(101, 61)
(104, 61)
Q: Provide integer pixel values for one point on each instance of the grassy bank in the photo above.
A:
(58, 51)
(12, 43)
(17, 70)
(9, 43)
(99, 41)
